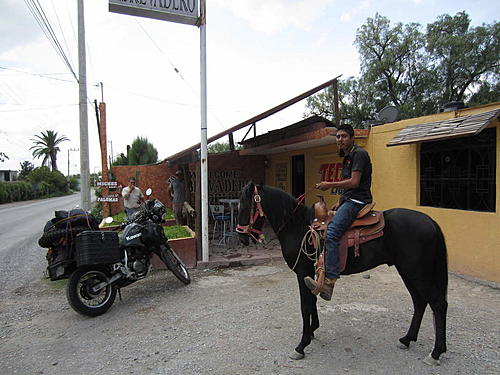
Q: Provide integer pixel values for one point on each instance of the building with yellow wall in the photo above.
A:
(457, 185)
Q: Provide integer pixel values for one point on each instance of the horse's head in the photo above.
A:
(250, 214)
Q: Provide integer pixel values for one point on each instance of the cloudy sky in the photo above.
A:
(259, 54)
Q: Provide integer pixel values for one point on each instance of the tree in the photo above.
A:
(121, 160)
(355, 102)
(52, 181)
(142, 152)
(462, 55)
(26, 168)
(395, 64)
(486, 93)
(217, 147)
(46, 145)
(415, 71)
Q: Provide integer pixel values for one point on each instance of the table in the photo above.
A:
(231, 203)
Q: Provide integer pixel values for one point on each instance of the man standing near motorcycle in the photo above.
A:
(132, 198)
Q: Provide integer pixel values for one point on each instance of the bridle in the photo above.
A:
(259, 212)
(254, 215)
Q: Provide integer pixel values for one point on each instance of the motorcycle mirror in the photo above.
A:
(108, 220)
(148, 192)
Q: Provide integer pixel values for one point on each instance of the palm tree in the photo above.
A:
(46, 146)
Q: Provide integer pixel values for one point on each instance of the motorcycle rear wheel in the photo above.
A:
(80, 295)
(174, 264)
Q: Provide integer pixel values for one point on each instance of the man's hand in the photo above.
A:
(323, 185)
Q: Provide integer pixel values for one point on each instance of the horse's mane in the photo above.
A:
(280, 202)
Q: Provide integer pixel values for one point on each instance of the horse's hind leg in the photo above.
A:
(437, 300)
(419, 305)
(439, 307)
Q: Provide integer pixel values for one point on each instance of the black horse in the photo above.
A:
(412, 242)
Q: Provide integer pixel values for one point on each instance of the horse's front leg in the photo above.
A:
(310, 320)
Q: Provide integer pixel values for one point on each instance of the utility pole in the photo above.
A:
(84, 131)
(203, 142)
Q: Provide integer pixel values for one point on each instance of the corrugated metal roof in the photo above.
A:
(450, 128)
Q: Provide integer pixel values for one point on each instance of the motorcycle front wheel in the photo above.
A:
(174, 264)
(81, 296)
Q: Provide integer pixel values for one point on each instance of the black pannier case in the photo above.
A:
(97, 247)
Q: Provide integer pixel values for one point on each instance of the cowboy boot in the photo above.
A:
(326, 289)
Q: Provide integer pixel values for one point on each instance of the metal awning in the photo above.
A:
(450, 128)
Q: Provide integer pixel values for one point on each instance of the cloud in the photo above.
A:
(274, 16)
(17, 27)
(347, 16)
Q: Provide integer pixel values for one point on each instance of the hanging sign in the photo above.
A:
(179, 11)
(108, 198)
(108, 184)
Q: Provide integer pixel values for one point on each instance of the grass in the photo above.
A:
(176, 231)
(121, 217)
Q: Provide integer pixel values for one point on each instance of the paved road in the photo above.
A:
(21, 224)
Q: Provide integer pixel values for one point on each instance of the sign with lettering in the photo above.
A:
(109, 184)
(331, 172)
(226, 182)
(108, 198)
(179, 11)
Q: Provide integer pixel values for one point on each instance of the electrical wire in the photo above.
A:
(177, 71)
(37, 11)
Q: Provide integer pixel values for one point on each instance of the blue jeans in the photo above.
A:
(345, 216)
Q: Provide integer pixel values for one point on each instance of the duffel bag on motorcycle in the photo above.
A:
(97, 247)
(65, 226)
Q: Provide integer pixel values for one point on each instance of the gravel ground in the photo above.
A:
(243, 321)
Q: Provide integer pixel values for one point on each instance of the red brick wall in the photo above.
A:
(228, 173)
(152, 176)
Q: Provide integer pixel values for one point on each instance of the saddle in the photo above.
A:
(369, 224)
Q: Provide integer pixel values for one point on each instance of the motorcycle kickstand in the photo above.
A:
(120, 294)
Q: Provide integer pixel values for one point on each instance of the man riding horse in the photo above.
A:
(355, 194)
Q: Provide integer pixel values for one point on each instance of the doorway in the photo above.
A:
(298, 175)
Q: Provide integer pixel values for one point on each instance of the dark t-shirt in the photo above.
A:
(358, 160)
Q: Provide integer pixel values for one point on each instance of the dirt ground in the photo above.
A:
(243, 321)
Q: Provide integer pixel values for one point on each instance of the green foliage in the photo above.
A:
(74, 183)
(97, 212)
(16, 191)
(120, 160)
(217, 147)
(26, 168)
(142, 152)
(48, 181)
(46, 146)
(176, 231)
(462, 55)
(416, 70)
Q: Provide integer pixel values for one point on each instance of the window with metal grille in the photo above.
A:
(459, 173)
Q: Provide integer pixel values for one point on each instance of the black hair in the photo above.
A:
(348, 129)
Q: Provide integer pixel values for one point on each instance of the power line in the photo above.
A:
(37, 11)
(177, 70)
(46, 75)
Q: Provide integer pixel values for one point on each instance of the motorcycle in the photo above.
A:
(99, 263)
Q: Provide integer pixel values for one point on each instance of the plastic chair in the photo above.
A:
(220, 221)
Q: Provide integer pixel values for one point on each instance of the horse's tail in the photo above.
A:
(441, 262)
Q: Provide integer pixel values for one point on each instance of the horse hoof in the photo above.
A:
(431, 361)
(296, 355)
(402, 346)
